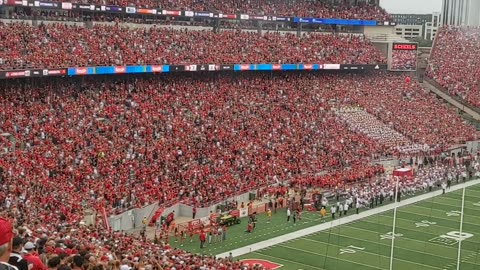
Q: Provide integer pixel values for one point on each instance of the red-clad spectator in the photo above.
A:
(31, 256)
(202, 237)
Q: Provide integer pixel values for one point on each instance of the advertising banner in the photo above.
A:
(146, 11)
(130, 10)
(172, 12)
(67, 6)
(46, 4)
(331, 66)
(111, 8)
(281, 19)
(177, 68)
(203, 14)
(32, 73)
(227, 16)
(225, 67)
(54, 72)
(243, 212)
(335, 21)
(155, 69)
(84, 7)
(363, 67)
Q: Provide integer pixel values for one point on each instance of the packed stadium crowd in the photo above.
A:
(88, 248)
(60, 45)
(455, 62)
(300, 8)
(121, 143)
(116, 143)
(217, 136)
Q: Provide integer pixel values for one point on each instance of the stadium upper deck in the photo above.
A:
(60, 45)
(301, 8)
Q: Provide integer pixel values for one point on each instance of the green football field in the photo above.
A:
(426, 237)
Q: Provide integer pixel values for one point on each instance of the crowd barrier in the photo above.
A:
(186, 13)
(109, 70)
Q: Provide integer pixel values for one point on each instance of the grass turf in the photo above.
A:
(427, 234)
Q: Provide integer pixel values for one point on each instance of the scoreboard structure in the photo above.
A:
(402, 56)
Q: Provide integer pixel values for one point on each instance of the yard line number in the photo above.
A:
(453, 213)
(351, 249)
(424, 223)
(390, 236)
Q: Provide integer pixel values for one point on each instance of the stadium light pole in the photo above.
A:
(461, 228)
(394, 222)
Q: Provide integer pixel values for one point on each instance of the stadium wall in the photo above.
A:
(376, 30)
(132, 219)
(473, 146)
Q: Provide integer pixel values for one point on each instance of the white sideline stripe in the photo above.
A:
(331, 224)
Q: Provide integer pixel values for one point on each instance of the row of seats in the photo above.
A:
(60, 45)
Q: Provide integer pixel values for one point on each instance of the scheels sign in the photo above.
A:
(405, 46)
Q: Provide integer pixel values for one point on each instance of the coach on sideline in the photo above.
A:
(6, 237)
